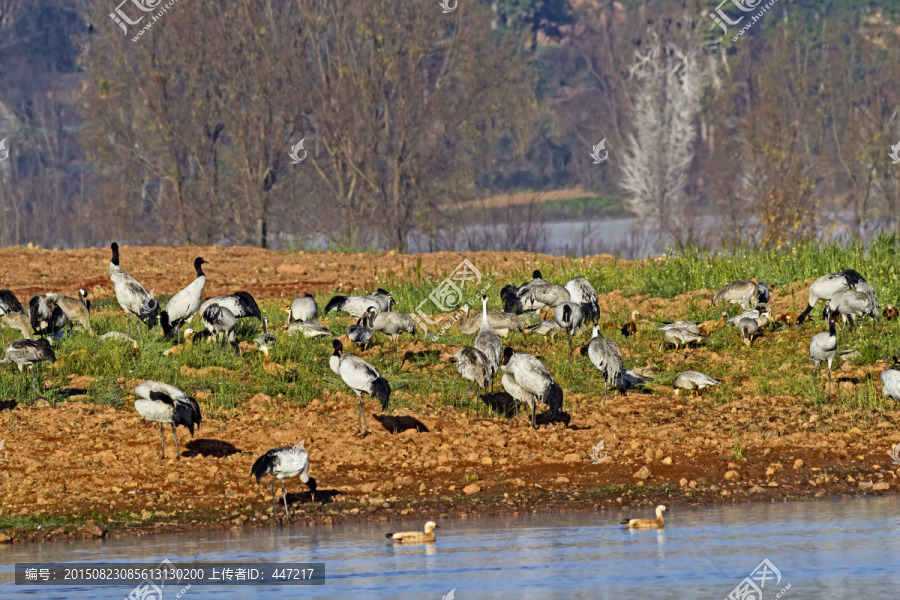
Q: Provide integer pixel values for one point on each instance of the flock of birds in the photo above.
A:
(523, 376)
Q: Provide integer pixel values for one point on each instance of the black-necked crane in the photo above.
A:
(391, 324)
(569, 316)
(825, 286)
(851, 304)
(163, 403)
(414, 537)
(510, 294)
(656, 523)
(355, 306)
(743, 292)
(361, 333)
(46, 317)
(241, 304)
(606, 356)
(890, 378)
(303, 308)
(534, 295)
(823, 348)
(12, 316)
(362, 378)
(693, 381)
(309, 329)
(220, 322)
(131, 295)
(283, 463)
(582, 293)
(184, 305)
(265, 338)
(528, 381)
(489, 342)
(27, 353)
(474, 367)
(629, 328)
(77, 310)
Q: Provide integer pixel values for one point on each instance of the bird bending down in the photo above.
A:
(391, 323)
(656, 523)
(743, 292)
(851, 304)
(76, 310)
(164, 403)
(282, 463)
(184, 305)
(220, 322)
(131, 295)
(569, 316)
(694, 381)
(12, 316)
(46, 317)
(309, 329)
(414, 537)
(357, 305)
(823, 348)
(361, 333)
(825, 287)
(678, 337)
(26, 353)
(241, 305)
(474, 366)
(528, 381)
(361, 377)
(303, 308)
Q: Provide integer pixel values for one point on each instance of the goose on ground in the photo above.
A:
(282, 463)
(708, 327)
(46, 317)
(131, 295)
(391, 324)
(163, 403)
(265, 338)
(850, 304)
(77, 310)
(303, 308)
(743, 292)
(605, 355)
(823, 348)
(474, 367)
(118, 336)
(273, 369)
(678, 337)
(362, 378)
(825, 286)
(756, 314)
(308, 329)
(501, 323)
(27, 353)
(582, 293)
(184, 305)
(749, 328)
(489, 342)
(630, 326)
(689, 326)
(693, 381)
(355, 306)
(12, 316)
(241, 304)
(414, 537)
(220, 322)
(360, 333)
(890, 378)
(656, 523)
(528, 381)
(568, 315)
(890, 312)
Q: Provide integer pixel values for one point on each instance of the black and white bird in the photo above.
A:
(77, 310)
(265, 338)
(606, 356)
(303, 308)
(27, 353)
(46, 317)
(241, 305)
(220, 322)
(582, 293)
(825, 287)
(163, 403)
(694, 381)
(381, 300)
(488, 341)
(12, 316)
(569, 316)
(743, 292)
(528, 381)
(823, 348)
(362, 378)
(184, 305)
(473, 365)
(360, 333)
(131, 295)
(309, 329)
(890, 378)
(851, 304)
(534, 295)
(391, 323)
(282, 463)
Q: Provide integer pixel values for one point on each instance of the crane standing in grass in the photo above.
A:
(131, 295)
(27, 353)
(220, 322)
(569, 316)
(606, 356)
(823, 348)
(489, 342)
(184, 305)
(826, 286)
(528, 381)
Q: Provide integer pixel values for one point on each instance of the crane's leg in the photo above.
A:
(394, 339)
(284, 497)
(569, 337)
(162, 440)
(533, 409)
(177, 451)
(272, 487)
(829, 377)
(2, 335)
(363, 427)
(34, 380)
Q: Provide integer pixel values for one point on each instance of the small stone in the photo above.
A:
(4, 538)
(732, 476)
(173, 476)
(866, 485)
(756, 489)
(93, 529)
(881, 485)
(667, 460)
(683, 482)
(572, 457)
(562, 480)
(472, 488)
(798, 464)
(230, 493)
(487, 461)
(643, 474)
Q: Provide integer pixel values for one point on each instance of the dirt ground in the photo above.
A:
(100, 467)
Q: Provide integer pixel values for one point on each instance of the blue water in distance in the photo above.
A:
(823, 550)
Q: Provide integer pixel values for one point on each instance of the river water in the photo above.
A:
(823, 550)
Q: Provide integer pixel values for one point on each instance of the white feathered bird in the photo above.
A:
(131, 295)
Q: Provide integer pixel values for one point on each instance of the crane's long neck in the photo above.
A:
(484, 316)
